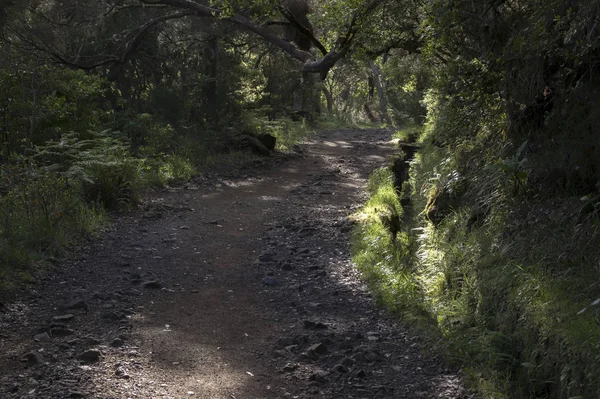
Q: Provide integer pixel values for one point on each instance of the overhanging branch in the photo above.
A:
(37, 43)
(303, 29)
(142, 30)
(266, 34)
(310, 65)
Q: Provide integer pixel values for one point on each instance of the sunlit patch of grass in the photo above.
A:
(507, 299)
(331, 122)
(379, 255)
(167, 169)
(405, 133)
(287, 132)
(505, 318)
(176, 168)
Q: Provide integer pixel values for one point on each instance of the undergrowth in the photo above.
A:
(59, 193)
(509, 277)
(41, 217)
(384, 259)
(333, 122)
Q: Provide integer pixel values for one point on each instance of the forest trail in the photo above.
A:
(241, 288)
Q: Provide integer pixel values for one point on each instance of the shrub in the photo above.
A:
(176, 168)
(42, 214)
(111, 183)
(147, 135)
(98, 162)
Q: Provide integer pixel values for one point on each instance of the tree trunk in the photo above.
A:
(328, 99)
(380, 92)
(212, 56)
(311, 95)
(371, 87)
(369, 113)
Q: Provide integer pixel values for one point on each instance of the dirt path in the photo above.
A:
(241, 289)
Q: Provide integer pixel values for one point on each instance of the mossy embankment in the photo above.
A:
(491, 258)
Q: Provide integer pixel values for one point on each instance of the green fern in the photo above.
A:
(99, 162)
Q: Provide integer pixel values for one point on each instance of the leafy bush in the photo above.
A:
(42, 214)
(509, 270)
(40, 102)
(508, 276)
(99, 162)
(147, 135)
(172, 168)
(406, 80)
(111, 183)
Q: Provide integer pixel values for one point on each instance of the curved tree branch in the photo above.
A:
(343, 43)
(303, 29)
(266, 34)
(411, 45)
(142, 30)
(136, 37)
(310, 65)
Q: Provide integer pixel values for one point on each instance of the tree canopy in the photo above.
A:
(88, 35)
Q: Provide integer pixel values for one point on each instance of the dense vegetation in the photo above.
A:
(500, 244)
(494, 236)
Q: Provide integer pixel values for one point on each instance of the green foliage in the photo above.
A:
(42, 214)
(99, 162)
(510, 281)
(348, 90)
(515, 241)
(332, 122)
(383, 260)
(499, 269)
(39, 102)
(168, 169)
(166, 102)
(408, 133)
(513, 170)
(508, 270)
(147, 135)
(111, 183)
(277, 90)
(380, 184)
(406, 81)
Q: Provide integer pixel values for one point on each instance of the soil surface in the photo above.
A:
(240, 286)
